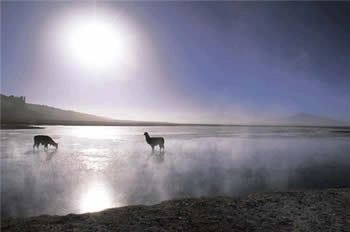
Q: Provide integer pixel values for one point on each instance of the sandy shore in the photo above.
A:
(317, 210)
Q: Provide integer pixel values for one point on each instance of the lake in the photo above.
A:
(97, 167)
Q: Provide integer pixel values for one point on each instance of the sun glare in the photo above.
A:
(97, 132)
(97, 43)
(96, 198)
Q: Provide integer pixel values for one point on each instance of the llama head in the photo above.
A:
(146, 134)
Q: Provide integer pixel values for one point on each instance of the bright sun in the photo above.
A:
(97, 43)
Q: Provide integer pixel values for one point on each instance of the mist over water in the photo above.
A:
(102, 167)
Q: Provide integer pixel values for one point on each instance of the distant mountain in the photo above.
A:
(16, 110)
(305, 119)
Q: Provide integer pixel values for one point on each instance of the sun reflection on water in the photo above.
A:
(95, 158)
(96, 198)
(97, 132)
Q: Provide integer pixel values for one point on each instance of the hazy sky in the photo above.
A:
(189, 61)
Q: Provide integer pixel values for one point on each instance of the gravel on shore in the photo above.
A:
(311, 210)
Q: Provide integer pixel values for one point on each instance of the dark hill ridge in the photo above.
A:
(304, 119)
(309, 119)
(14, 110)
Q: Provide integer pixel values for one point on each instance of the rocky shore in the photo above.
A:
(312, 210)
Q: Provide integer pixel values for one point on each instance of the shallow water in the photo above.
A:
(102, 167)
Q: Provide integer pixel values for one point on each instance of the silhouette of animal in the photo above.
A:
(44, 140)
(154, 141)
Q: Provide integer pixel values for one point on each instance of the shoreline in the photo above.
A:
(309, 210)
(8, 126)
(19, 126)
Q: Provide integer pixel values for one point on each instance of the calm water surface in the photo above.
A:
(102, 167)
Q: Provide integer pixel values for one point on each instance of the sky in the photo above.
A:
(215, 62)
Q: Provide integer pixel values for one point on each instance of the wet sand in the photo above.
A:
(312, 210)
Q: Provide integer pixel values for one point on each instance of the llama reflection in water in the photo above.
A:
(157, 157)
(50, 154)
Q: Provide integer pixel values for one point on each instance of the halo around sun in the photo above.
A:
(97, 43)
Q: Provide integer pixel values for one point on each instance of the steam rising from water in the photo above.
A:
(102, 167)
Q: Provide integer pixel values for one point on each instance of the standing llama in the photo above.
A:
(154, 141)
